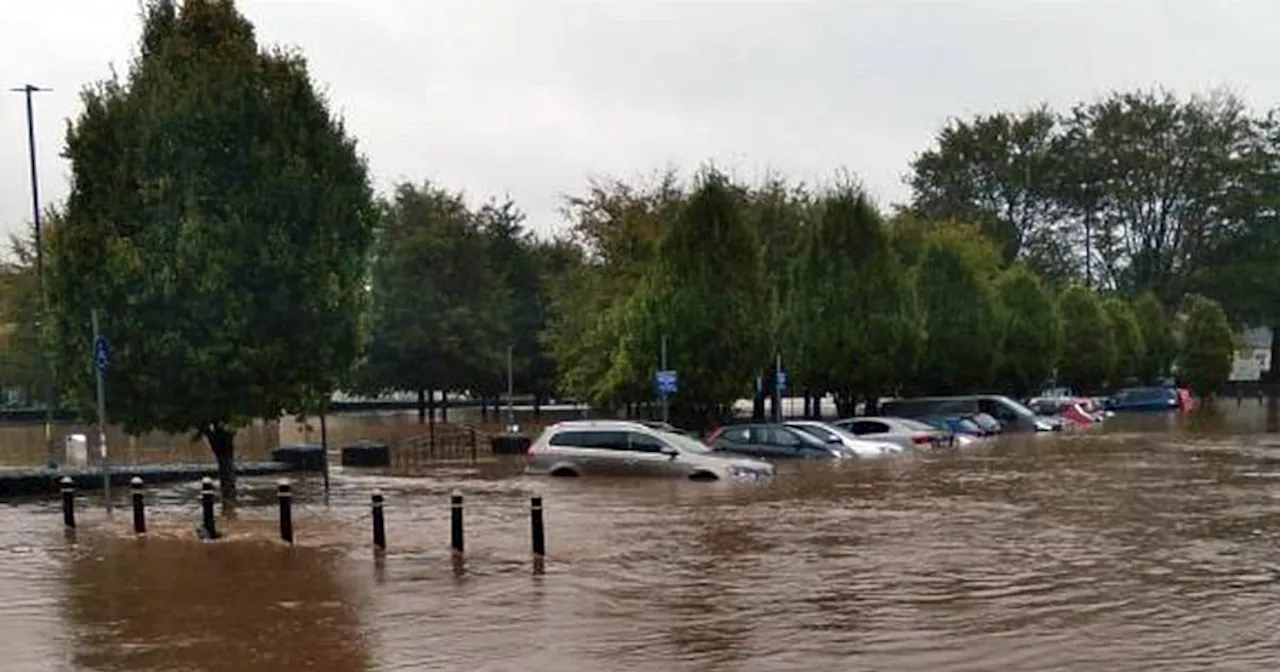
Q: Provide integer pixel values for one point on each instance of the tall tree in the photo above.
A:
(1131, 351)
(1031, 331)
(704, 293)
(1160, 174)
(20, 343)
(959, 304)
(1088, 349)
(218, 220)
(851, 323)
(998, 170)
(1159, 345)
(1208, 346)
(440, 311)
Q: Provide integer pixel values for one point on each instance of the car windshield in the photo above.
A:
(1019, 409)
(915, 425)
(684, 443)
(825, 431)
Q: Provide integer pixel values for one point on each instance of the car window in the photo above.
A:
(821, 433)
(604, 440)
(781, 436)
(868, 427)
(739, 435)
(914, 425)
(644, 443)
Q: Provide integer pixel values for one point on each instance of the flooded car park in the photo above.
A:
(1139, 546)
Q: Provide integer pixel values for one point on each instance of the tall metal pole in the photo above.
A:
(777, 392)
(666, 406)
(46, 388)
(511, 387)
(102, 416)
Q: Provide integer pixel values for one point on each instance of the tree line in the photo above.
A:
(222, 224)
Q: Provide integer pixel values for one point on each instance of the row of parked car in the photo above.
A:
(748, 451)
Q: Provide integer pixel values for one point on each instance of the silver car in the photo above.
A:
(910, 434)
(857, 445)
(625, 448)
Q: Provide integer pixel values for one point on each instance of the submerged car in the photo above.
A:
(905, 432)
(625, 448)
(776, 442)
(832, 434)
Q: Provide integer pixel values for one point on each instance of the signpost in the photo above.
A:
(666, 382)
(102, 360)
(779, 388)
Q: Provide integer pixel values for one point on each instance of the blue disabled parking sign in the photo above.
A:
(101, 359)
(666, 382)
(782, 381)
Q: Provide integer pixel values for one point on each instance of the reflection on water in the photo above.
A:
(1129, 548)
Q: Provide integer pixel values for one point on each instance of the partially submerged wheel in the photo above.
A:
(703, 476)
(565, 472)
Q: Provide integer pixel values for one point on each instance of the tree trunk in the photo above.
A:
(484, 408)
(422, 406)
(222, 442)
(431, 406)
(444, 406)
(845, 404)
(537, 405)
(808, 406)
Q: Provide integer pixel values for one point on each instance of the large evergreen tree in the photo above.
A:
(1089, 348)
(218, 220)
(1031, 331)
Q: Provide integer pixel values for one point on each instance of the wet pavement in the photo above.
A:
(1151, 545)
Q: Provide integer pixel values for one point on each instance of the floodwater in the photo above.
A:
(1151, 544)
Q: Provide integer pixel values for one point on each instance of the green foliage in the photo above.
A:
(20, 342)
(850, 321)
(1089, 348)
(1207, 346)
(1131, 350)
(1159, 345)
(705, 293)
(961, 326)
(440, 310)
(218, 219)
(1134, 191)
(1032, 332)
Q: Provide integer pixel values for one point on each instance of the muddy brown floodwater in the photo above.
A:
(1149, 545)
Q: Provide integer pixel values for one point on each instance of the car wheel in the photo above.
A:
(703, 476)
(565, 472)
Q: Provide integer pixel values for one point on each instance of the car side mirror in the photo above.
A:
(669, 452)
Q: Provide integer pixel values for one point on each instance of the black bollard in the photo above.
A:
(284, 493)
(379, 524)
(210, 526)
(455, 527)
(539, 534)
(139, 504)
(68, 502)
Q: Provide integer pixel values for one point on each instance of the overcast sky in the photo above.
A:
(534, 98)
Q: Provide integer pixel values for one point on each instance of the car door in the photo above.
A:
(740, 440)
(779, 443)
(607, 453)
(645, 456)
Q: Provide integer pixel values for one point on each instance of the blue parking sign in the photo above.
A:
(666, 382)
(100, 356)
(782, 381)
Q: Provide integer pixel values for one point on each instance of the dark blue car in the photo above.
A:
(1143, 399)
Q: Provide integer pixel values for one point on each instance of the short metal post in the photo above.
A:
(284, 493)
(139, 506)
(455, 527)
(206, 504)
(379, 524)
(68, 502)
(539, 534)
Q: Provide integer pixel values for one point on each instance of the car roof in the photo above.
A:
(600, 424)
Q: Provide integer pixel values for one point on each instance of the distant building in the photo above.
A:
(1253, 354)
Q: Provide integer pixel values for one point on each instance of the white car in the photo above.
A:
(831, 433)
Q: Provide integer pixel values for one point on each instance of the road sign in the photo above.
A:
(100, 355)
(782, 381)
(666, 382)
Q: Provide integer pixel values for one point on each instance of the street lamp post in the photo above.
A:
(27, 90)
